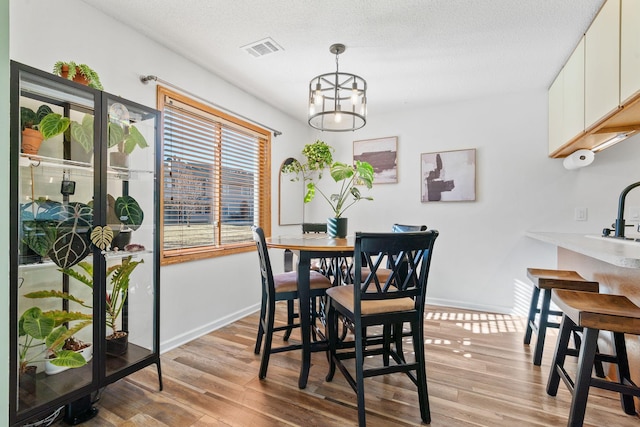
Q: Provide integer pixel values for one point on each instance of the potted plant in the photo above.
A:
(127, 138)
(43, 334)
(40, 125)
(60, 343)
(319, 157)
(118, 277)
(79, 73)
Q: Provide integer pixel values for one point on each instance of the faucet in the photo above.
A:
(620, 219)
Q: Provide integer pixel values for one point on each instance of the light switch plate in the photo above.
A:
(580, 214)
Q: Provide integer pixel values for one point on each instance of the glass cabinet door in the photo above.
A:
(52, 205)
(131, 194)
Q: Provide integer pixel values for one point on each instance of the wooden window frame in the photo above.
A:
(173, 256)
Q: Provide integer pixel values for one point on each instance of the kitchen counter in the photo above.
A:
(621, 253)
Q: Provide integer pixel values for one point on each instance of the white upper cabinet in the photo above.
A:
(602, 63)
(629, 49)
(566, 101)
(574, 121)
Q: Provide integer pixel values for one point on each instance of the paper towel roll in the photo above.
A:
(578, 159)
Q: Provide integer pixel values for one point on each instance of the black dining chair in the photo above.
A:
(398, 299)
(383, 274)
(278, 287)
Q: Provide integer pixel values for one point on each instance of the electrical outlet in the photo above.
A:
(580, 214)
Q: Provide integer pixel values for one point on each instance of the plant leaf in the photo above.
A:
(129, 212)
(54, 294)
(62, 316)
(69, 249)
(69, 359)
(102, 236)
(134, 138)
(116, 134)
(83, 133)
(340, 171)
(43, 111)
(37, 325)
(53, 124)
(39, 236)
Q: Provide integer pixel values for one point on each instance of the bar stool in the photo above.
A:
(548, 280)
(594, 312)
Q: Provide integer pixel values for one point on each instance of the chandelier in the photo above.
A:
(337, 101)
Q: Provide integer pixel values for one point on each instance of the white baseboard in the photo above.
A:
(468, 306)
(205, 329)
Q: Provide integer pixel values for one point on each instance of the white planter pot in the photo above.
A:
(51, 369)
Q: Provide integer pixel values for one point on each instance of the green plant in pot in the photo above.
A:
(40, 125)
(118, 277)
(126, 138)
(62, 342)
(319, 158)
(79, 73)
(42, 337)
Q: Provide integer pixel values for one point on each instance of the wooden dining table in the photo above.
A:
(306, 247)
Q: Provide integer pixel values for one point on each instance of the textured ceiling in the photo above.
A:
(411, 52)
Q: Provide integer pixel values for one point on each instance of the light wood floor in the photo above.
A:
(478, 370)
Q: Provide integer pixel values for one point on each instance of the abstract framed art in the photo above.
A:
(381, 153)
(448, 176)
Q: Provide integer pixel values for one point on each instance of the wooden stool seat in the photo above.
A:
(592, 312)
(615, 313)
(547, 280)
(562, 279)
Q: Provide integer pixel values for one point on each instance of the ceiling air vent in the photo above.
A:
(262, 47)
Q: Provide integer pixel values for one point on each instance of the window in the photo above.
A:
(216, 172)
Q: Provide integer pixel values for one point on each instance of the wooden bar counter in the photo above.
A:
(614, 263)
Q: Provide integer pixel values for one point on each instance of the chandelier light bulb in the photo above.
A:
(354, 93)
(317, 95)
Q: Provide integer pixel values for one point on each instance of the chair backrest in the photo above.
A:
(268, 286)
(403, 228)
(314, 227)
(411, 254)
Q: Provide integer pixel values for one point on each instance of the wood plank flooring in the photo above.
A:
(479, 374)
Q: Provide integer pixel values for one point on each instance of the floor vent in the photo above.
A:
(262, 47)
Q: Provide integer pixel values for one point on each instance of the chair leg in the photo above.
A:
(266, 352)
(290, 317)
(626, 400)
(566, 326)
(263, 308)
(421, 372)
(597, 364)
(542, 327)
(386, 337)
(398, 340)
(332, 331)
(533, 309)
(583, 377)
(359, 360)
